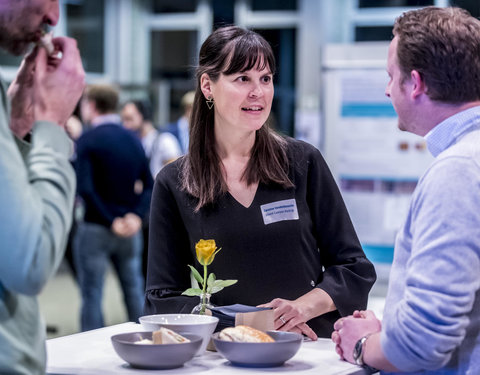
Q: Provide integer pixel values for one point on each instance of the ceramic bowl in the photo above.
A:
(202, 325)
(262, 354)
(147, 356)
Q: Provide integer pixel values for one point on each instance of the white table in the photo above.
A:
(91, 352)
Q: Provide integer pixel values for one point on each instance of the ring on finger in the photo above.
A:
(282, 319)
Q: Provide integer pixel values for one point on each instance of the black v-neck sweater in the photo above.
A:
(285, 258)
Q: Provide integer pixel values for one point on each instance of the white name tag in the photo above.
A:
(279, 211)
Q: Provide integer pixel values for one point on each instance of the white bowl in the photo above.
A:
(202, 325)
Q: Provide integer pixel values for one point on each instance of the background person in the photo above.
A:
(37, 183)
(431, 320)
(227, 188)
(115, 185)
(160, 147)
(181, 127)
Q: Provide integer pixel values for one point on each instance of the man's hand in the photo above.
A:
(21, 97)
(46, 88)
(350, 329)
(59, 82)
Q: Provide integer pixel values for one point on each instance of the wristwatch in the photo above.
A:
(358, 352)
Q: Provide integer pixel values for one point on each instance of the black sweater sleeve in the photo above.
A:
(169, 250)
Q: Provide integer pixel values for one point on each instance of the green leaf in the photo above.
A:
(210, 282)
(218, 285)
(196, 274)
(211, 279)
(215, 289)
(215, 253)
(192, 292)
(224, 283)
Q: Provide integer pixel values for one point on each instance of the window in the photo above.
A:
(394, 3)
(283, 42)
(174, 67)
(473, 6)
(262, 5)
(170, 61)
(373, 33)
(223, 12)
(174, 6)
(85, 23)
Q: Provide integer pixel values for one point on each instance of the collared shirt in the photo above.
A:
(431, 318)
(111, 118)
(183, 129)
(448, 131)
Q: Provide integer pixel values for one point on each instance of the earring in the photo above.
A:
(210, 102)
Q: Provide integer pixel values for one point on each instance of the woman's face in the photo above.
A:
(243, 100)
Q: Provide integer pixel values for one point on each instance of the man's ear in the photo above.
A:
(205, 85)
(418, 84)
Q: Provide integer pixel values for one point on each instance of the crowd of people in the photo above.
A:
(221, 172)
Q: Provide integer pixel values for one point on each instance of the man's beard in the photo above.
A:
(15, 44)
(18, 48)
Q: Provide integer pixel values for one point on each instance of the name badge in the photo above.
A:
(279, 211)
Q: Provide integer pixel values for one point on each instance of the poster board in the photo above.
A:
(376, 165)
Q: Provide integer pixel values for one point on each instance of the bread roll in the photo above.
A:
(244, 334)
(144, 342)
(167, 336)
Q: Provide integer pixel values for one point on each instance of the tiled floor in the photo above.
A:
(60, 301)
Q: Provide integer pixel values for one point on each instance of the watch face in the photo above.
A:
(357, 352)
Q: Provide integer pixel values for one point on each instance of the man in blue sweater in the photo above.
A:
(37, 183)
(115, 184)
(431, 321)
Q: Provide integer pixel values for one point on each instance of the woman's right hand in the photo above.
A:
(291, 316)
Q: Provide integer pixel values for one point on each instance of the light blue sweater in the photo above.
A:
(431, 322)
(37, 187)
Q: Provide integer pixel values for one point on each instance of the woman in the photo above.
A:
(269, 202)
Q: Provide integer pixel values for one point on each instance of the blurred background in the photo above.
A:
(329, 91)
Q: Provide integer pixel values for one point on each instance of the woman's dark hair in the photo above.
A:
(230, 50)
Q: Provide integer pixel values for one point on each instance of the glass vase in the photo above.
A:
(204, 307)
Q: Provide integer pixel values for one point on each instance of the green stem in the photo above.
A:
(202, 311)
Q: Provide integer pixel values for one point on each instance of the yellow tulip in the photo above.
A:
(205, 250)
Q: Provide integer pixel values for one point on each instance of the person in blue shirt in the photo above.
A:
(431, 319)
(160, 147)
(115, 184)
(181, 127)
